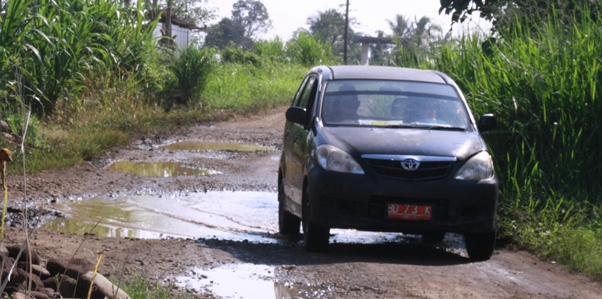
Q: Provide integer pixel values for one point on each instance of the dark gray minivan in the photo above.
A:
(386, 149)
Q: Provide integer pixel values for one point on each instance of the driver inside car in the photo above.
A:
(343, 109)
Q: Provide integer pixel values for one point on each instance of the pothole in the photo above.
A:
(241, 215)
(157, 169)
(247, 281)
(232, 281)
(213, 146)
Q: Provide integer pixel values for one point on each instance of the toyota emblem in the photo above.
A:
(410, 164)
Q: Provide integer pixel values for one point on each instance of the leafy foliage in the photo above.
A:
(503, 13)
(273, 50)
(413, 39)
(542, 84)
(191, 67)
(328, 27)
(252, 16)
(63, 41)
(308, 51)
(227, 32)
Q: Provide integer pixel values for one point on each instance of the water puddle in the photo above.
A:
(239, 215)
(247, 281)
(213, 146)
(157, 169)
(233, 281)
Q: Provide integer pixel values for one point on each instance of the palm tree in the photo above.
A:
(419, 32)
(402, 28)
(423, 31)
(413, 38)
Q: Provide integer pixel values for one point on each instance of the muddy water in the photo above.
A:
(224, 215)
(238, 216)
(157, 169)
(247, 281)
(213, 146)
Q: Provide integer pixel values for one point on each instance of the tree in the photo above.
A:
(504, 13)
(252, 16)
(193, 11)
(401, 27)
(328, 27)
(225, 32)
(424, 31)
(413, 38)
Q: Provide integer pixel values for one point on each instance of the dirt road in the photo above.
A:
(392, 267)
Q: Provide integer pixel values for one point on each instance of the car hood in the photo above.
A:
(404, 141)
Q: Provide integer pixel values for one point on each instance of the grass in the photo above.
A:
(114, 117)
(542, 83)
(85, 134)
(139, 287)
(250, 89)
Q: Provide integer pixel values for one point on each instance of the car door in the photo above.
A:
(296, 140)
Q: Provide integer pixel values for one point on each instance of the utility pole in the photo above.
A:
(168, 20)
(345, 37)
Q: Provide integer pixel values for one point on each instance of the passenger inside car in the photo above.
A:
(341, 109)
(415, 111)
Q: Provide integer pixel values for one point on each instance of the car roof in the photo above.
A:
(346, 72)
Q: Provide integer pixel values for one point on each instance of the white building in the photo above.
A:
(181, 31)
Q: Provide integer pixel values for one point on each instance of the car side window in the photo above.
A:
(308, 93)
(299, 93)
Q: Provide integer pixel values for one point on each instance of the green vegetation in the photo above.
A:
(82, 77)
(94, 79)
(542, 83)
(138, 288)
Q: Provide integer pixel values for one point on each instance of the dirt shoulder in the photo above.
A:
(407, 269)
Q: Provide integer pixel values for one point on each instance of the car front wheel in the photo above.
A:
(315, 236)
(480, 246)
(288, 224)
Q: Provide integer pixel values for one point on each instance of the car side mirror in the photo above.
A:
(297, 115)
(487, 122)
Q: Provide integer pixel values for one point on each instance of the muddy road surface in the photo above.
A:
(203, 220)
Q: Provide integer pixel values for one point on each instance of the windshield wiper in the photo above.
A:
(427, 126)
(402, 126)
(445, 128)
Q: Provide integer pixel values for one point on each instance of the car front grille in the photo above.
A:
(430, 170)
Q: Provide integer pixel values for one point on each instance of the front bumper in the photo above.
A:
(343, 200)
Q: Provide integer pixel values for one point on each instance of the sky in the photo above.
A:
(372, 15)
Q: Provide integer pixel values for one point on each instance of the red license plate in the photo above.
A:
(409, 212)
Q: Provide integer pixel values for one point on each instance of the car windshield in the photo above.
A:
(393, 104)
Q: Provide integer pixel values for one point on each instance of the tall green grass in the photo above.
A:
(49, 48)
(246, 88)
(543, 84)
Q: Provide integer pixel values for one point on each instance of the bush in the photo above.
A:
(307, 51)
(191, 68)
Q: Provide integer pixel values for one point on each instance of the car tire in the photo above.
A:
(315, 236)
(433, 237)
(480, 246)
(288, 224)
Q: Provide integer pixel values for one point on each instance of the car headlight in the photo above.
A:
(478, 167)
(334, 159)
